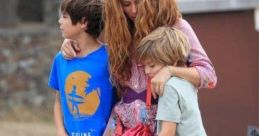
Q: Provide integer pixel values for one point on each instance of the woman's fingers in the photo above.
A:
(159, 80)
(75, 46)
(153, 89)
(68, 50)
(158, 86)
(161, 88)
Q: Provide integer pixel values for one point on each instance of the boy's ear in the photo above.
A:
(84, 24)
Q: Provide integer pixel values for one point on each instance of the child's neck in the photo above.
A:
(87, 44)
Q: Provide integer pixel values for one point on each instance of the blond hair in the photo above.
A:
(122, 35)
(153, 14)
(165, 45)
(118, 34)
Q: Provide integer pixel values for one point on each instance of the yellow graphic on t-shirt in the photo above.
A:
(79, 102)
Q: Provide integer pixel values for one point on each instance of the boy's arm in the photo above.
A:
(167, 129)
(168, 111)
(58, 117)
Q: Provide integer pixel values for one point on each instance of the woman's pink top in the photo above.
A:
(136, 89)
(197, 58)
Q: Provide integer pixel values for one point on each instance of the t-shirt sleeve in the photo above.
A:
(168, 106)
(53, 77)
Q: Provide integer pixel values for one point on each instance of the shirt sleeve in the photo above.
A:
(198, 57)
(168, 106)
(53, 78)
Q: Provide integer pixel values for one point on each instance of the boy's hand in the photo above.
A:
(69, 49)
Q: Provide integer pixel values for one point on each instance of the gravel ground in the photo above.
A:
(26, 129)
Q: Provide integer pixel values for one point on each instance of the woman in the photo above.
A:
(119, 36)
(126, 23)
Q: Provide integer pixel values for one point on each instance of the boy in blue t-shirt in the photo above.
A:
(84, 92)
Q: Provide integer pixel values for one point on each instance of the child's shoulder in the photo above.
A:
(176, 80)
(102, 50)
(58, 55)
(105, 46)
(180, 84)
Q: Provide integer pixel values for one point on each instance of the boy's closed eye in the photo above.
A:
(151, 68)
(151, 65)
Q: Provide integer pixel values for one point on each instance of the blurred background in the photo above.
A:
(227, 29)
(29, 39)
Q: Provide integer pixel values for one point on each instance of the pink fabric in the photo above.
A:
(138, 80)
(198, 57)
(130, 116)
(133, 110)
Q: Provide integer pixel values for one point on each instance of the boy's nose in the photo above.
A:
(147, 71)
(59, 21)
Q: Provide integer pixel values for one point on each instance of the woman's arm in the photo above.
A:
(200, 72)
(58, 117)
(198, 57)
(188, 73)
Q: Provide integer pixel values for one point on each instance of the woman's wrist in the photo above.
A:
(170, 69)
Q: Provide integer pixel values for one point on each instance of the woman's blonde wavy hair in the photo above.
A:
(118, 34)
(155, 13)
(122, 35)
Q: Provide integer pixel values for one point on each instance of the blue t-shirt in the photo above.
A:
(86, 92)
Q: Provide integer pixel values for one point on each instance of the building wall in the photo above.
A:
(231, 42)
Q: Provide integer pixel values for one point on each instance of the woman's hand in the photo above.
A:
(69, 49)
(159, 80)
